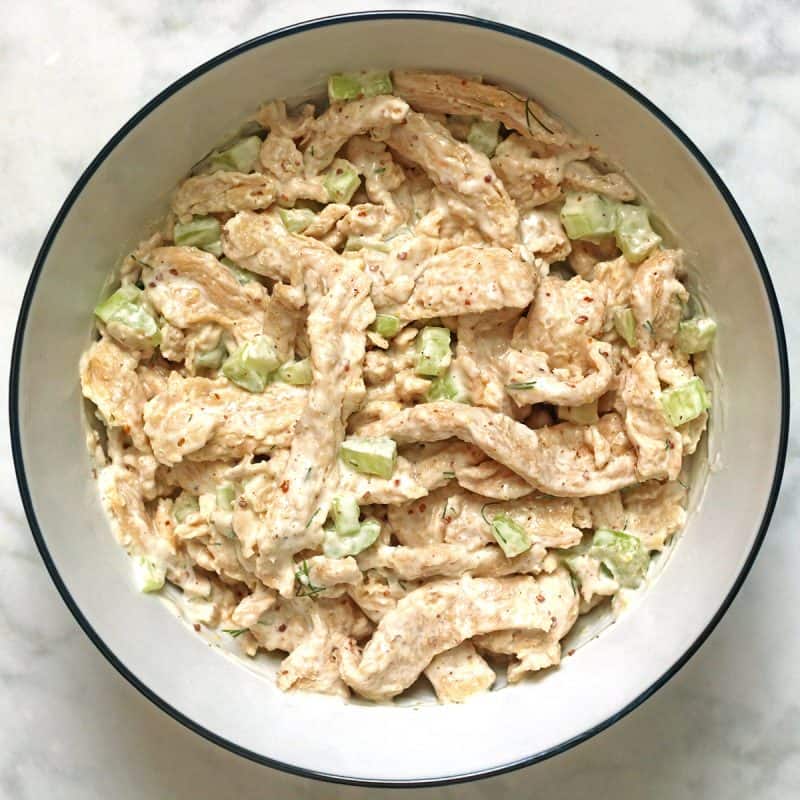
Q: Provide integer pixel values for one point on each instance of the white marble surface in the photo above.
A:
(727, 726)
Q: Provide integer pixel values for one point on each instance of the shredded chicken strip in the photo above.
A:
(557, 359)
(556, 460)
(452, 94)
(261, 243)
(657, 298)
(458, 674)
(311, 666)
(435, 618)
(189, 287)
(450, 561)
(457, 168)
(659, 451)
(536, 649)
(483, 340)
(368, 489)
(468, 280)
(110, 381)
(582, 177)
(336, 324)
(204, 419)
(332, 129)
(223, 191)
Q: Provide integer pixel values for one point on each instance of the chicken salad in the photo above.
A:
(399, 389)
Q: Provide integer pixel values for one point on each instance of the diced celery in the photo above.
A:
(484, 136)
(341, 181)
(239, 153)
(625, 325)
(226, 494)
(696, 335)
(684, 403)
(252, 364)
(354, 85)
(586, 215)
(346, 513)
(211, 359)
(184, 505)
(571, 557)
(386, 325)
(582, 415)
(510, 535)
(134, 316)
(361, 242)
(335, 545)
(251, 128)
(124, 307)
(372, 456)
(124, 295)
(433, 351)
(448, 387)
(261, 354)
(148, 575)
(634, 235)
(202, 232)
(296, 220)
(298, 373)
(622, 554)
(242, 275)
(239, 157)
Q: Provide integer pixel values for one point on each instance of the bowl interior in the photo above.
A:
(128, 189)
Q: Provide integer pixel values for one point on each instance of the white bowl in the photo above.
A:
(127, 187)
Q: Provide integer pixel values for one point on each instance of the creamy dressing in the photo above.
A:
(227, 490)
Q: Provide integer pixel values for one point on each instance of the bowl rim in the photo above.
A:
(280, 33)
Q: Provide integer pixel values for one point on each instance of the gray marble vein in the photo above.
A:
(728, 726)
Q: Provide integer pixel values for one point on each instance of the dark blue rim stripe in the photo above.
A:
(123, 132)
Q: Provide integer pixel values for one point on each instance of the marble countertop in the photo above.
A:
(727, 726)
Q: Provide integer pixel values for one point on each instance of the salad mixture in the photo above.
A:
(402, 386)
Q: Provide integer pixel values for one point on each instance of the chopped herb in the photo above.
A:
(529, 115)
(485, 505)
(521, 385)
(140, 262)
(311, 518)
(380, 170)
(235, 631)
(649, 326)
(308, 473)
(685, 486)
(307, 589)
(667, 444)
(444, 511)
(449, 474)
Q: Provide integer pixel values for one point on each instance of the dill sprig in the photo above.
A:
(307, 588)
(529, 115)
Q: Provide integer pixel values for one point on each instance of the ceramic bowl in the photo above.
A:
(128, 186)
